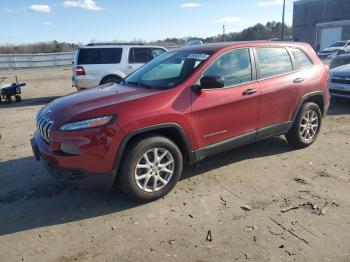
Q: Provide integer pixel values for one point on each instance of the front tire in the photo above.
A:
(152, 166)
(306, 126)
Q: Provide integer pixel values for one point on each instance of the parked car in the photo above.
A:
(98, 64)
(183, 106)
(339, 81)
(339, 61)
(334, 50)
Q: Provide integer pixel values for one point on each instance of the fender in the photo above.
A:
(144, 130)
(304, 98)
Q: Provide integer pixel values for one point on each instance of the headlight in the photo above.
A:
(88, 123)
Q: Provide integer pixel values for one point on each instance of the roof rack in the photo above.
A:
(95, 44)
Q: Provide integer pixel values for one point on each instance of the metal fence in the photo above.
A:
(16, 61)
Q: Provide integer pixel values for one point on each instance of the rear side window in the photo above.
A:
(273, 61)
(300, 58)
(140, 55)
(88, 56)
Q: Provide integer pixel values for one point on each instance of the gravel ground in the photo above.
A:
(262, 202)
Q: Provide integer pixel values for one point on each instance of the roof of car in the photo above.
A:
(213, 47)
(119, 45)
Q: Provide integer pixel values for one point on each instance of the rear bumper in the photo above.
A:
(80, 82)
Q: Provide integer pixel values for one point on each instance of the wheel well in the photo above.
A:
(109, 76)
(318, 100)
(171, 133)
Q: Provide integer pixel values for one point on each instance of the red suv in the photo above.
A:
(183, 106)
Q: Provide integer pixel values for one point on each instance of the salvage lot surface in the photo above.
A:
(299, 199)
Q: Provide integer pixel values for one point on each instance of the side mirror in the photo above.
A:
(211, 82)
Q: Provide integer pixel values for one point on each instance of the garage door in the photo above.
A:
(329, 36)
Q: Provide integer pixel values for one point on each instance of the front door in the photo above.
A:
(224, 113)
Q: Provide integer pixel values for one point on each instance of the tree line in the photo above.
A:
(271, 30)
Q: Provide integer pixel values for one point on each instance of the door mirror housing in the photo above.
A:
(211, 82)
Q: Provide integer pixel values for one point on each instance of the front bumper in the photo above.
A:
(76, 177)
(94, 167)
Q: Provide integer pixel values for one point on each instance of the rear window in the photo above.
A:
(273, 61)
(300, 58)
(89, 56)
(140, 55)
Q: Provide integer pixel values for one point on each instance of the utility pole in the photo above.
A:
(283, 12)
(224, 32)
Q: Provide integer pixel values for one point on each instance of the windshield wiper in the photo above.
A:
(131, 83)
(144, 85)
(138, 84)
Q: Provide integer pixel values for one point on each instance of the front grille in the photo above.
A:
(339, 92)
(43, 125)
(341, 80)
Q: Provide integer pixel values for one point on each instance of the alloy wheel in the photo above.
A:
(309, 125)
(154, 169)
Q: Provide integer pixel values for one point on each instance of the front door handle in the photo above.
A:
(249, 92)
(298, 80)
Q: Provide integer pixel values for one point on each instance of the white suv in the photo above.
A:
(97, 64)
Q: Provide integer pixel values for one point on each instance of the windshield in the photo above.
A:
(168, 70)
(338, 44)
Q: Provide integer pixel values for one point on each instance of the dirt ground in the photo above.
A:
(43, 221)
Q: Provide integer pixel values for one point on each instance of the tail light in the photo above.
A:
(79, 71)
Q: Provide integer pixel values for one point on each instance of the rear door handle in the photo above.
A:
(249, 92)
(298, 80)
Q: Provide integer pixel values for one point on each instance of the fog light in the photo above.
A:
(69, 149)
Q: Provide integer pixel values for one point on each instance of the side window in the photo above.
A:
(157, 52)
(88, 56)
(300, 58)
(273, 61)
(139, 55)
(234, 66)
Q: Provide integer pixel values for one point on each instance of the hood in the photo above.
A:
(99, 99)
(343, 70)
(330, 49)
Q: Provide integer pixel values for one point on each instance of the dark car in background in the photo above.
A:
(339, 61)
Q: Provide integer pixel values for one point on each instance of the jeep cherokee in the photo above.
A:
(183, 106)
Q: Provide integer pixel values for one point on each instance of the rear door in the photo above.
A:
(281, 86)
(138, 56)
(223, 113)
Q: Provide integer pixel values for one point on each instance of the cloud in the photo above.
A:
(48, 24)
(229, 20)
(40, 8)
(190, 5)
(273, 2)
(84, 4)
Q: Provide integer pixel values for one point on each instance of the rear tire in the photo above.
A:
(306, 126)
(111, 79)
(145, 177)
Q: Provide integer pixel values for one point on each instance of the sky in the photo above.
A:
(83, 21)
